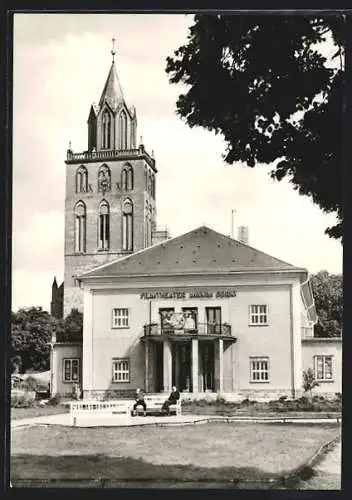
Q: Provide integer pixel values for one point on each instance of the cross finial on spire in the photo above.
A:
(113, 52)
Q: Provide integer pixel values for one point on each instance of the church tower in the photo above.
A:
(110, 191)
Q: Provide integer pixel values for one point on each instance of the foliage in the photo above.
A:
(265, 85)
(73, 324)
(30, 384)
(31, 332)
(327, 291)
(309, 381)
(25, 401)
(54, 401)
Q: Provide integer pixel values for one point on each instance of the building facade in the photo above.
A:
(202, 311)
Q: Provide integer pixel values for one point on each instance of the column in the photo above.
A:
(88, 346)
(194, 365)
(167, 366)
(221, 365)
(146, 365)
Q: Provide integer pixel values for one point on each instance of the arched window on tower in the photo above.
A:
(127, 225)
(150, 182)
(153, 186)
(150, 224)
(145, 178)
(104, 179)
(123, 129)
(106, 139)
(81, 180)
(146, 224)
(127, 180)
(104, 226)
(80, 227)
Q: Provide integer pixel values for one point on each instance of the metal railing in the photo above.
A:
(108, 154)
(223, 329)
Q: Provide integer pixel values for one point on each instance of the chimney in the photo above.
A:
(242, 234)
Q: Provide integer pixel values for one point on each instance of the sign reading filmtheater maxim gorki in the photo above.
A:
(194, 294)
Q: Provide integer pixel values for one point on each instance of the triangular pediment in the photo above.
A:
(202, 250)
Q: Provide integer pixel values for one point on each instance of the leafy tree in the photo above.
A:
(309, 382)
(263, 83)
(73, 324)
(327, 290)
(31, 332)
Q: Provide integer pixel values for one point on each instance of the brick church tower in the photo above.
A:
(110, 191)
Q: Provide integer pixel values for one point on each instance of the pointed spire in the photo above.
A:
(112, 93)
(54, 285)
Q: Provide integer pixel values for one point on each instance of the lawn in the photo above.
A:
(37, 411)
(217, 451)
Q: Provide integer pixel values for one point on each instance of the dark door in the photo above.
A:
(207, 364)
(213, 320)
(184, 360)
(159, 367)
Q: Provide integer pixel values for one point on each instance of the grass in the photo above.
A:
(37, 411)
(217, 451)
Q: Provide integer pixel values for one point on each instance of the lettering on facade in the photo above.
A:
(194, 294)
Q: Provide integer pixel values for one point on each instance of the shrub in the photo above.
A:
(220, 400)
(283, 398)
(22, 401)
(245, 402)
(309, 382)
(54, 401)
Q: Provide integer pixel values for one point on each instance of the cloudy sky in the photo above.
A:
(61, 62)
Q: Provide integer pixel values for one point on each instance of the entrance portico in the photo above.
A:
(192, 362)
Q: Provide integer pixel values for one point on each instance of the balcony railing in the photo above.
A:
(109, 154)
(223, 329)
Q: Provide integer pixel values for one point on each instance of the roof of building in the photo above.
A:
(112, 93)
(201, 250)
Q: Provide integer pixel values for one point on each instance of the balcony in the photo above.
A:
(206, 330)
(110, 154)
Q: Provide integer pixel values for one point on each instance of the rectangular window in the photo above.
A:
(259, 369)
(71, 370)
(121, 370)
(258, 314)
(323, 368)
(120, 318)
(213, 320)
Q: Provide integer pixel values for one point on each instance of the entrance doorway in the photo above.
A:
(159, 367)
(181, 366)
(207, 353)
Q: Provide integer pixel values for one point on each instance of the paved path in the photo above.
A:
(331, 463)
(327, 473)
(94, 420)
